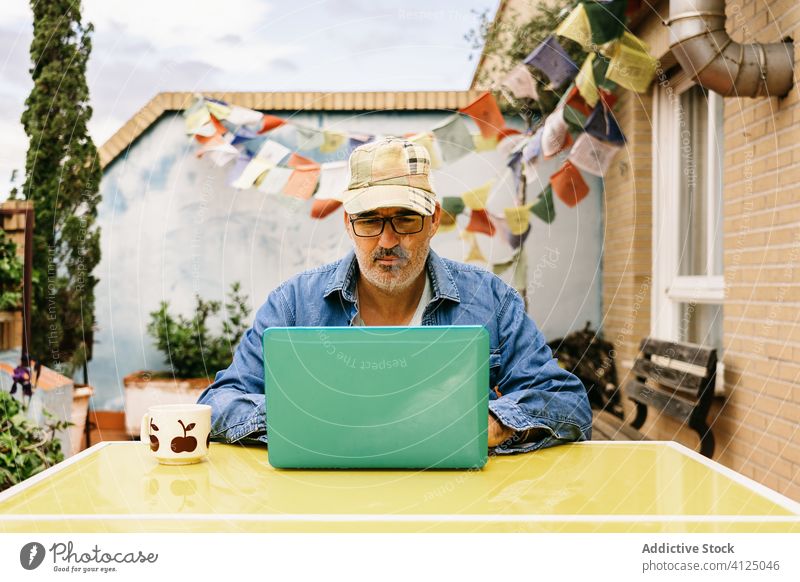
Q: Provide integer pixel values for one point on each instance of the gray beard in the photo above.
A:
(377, 274)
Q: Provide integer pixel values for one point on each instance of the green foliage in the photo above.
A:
(25, 447)
(514, 39)
(10, 274)
(190, 348)
(62, 178)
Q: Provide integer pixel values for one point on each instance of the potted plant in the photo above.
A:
(25, 447)
(192, 352)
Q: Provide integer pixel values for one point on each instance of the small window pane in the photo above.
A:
(693, 178)
(701, 323)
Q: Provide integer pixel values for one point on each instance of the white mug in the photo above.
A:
(177, 434)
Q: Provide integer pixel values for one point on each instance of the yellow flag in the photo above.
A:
(518, 218)
(197, 119)
(425, 139)
(218, 110)
(631, 65)
(331, 141)
(446, 226)
(484, 144)
(576, 26)
(585, 82)
(476, 198)
(474, 253)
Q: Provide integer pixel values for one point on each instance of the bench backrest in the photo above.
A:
(682, 378)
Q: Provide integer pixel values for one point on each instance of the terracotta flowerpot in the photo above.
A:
(145, 388)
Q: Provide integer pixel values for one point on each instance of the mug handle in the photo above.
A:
(144, 430)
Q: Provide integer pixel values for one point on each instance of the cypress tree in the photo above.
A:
(62, 178)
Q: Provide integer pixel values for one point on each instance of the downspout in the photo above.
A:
(706, 52)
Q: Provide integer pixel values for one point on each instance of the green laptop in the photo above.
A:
(377, 397)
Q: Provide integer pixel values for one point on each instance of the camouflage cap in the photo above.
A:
(390, 172)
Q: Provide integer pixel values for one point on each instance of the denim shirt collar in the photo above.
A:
(343, 278)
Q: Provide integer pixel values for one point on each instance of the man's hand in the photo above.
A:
(498, 432)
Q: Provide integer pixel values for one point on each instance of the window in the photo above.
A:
(688, 282)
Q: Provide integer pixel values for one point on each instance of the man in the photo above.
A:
(392, 277)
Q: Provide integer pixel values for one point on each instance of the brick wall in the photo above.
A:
(628, 231)
(756, 425)
(11, 321)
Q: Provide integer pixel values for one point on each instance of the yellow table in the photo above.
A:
(585, 487)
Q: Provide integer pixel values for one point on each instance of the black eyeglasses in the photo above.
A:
(401, 224)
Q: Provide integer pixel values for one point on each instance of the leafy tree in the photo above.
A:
(190, 348)
(25, 447)
(510, 41)
(10, 274)
(62, 178)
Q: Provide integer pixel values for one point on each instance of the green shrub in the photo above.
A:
(10, 274)
(188, 345)
(25, 447)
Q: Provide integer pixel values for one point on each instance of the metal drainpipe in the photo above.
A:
(705, 51)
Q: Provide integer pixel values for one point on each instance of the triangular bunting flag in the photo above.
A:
(576, 26)
(244, 116)
(454, 138)
(484, 144)
(631, 65)
(568, 184)
(332, 184)
(607, 19)
(585, 82)
(543, 207)
(251, 174)
(453, 205)
(521, 83)
(479, 221)
(273, 152)
(332, 141)
(487, 115)
(518, 218)
(309, 138)
(603, 125)
(302, 182)
(554, 133)
(592, 155)
(476, 198)
(218, 130)
(275, 180)
(551, 58)
(270, 122)
(474, 253)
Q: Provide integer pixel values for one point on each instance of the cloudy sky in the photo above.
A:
(141, 47)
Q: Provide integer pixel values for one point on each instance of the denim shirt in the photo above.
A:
(532, 390)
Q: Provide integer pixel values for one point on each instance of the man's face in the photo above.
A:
(392, 261)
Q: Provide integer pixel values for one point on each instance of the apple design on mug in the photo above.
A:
(185, 443)
(153, 438)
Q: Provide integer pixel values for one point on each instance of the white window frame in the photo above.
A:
(670, 289)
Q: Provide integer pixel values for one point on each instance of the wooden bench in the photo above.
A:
(676, 379)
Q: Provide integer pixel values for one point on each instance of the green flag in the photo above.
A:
(606, 19)
(543, 207)
(453, 205)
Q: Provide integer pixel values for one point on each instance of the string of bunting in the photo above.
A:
(263, 151)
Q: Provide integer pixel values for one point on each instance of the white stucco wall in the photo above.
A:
(172, 227)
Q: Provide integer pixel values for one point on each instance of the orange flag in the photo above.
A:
(487, 115)
(296, 161)
(302, 182)
(479, 221)
(220, 131)
(322, 208)
(270, 122)
(568, 184)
